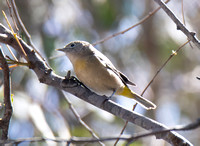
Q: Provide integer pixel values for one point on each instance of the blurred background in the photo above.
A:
(42, 111)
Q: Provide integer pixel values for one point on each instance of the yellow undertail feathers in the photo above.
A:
(139, 99)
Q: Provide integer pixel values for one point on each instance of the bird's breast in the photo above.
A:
(96, 76)
(79, 65)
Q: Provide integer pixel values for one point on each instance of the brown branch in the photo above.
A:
(122, 32)
(182, 11)
(124, 127)
(21, 24)
(128, 139)
(46, 76)
(180, 26)
(14, 34)
(27, 35)
(11, 14)
(133, 26)
(81, 121)
(4, 122)
(170, 57)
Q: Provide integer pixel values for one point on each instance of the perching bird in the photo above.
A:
(97, 72)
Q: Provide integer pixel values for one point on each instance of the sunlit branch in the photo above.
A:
(180, 26)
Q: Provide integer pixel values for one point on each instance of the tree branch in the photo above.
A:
(81, 140)
(21, 24)
(4, 122)
(71, 85)
(180, 26)
(78, 117)
(150, 14)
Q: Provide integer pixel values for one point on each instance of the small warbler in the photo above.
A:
(97, 72)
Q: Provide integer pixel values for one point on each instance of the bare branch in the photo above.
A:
(81, 121)
(13, 55)
(4, 122)
(170, 57)
(180, 26)
(128, 138)
(122, 32)
(21, 24)
(124, 127)
(46, 76)
(133, 26)
(14, 34)
(182, 9)
(27, 35)
(11, 14)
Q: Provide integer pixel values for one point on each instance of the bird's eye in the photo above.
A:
(72, 45)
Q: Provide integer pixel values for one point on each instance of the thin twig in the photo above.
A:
(15, 35)
(172, 55)
(16, 63)
(4, 122)
(190, 126)
(182, 9)
(125, 125)
(122, 131)
(21, 24)
(11, 61)
(129, 139)
(180, 26)
(11, 66)
(124, 31)
(11, 15)
(13, 55)
(183, 15)
(80, 120)
(27, 35)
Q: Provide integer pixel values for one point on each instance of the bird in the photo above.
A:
(98, 73)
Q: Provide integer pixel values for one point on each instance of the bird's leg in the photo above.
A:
(114, 91)
(108, 98)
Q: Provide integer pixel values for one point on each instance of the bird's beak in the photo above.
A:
(60, 49)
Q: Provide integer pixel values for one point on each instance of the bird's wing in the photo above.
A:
(108, 64)
(126, 79)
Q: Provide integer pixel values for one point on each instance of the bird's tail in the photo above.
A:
(139, 99)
